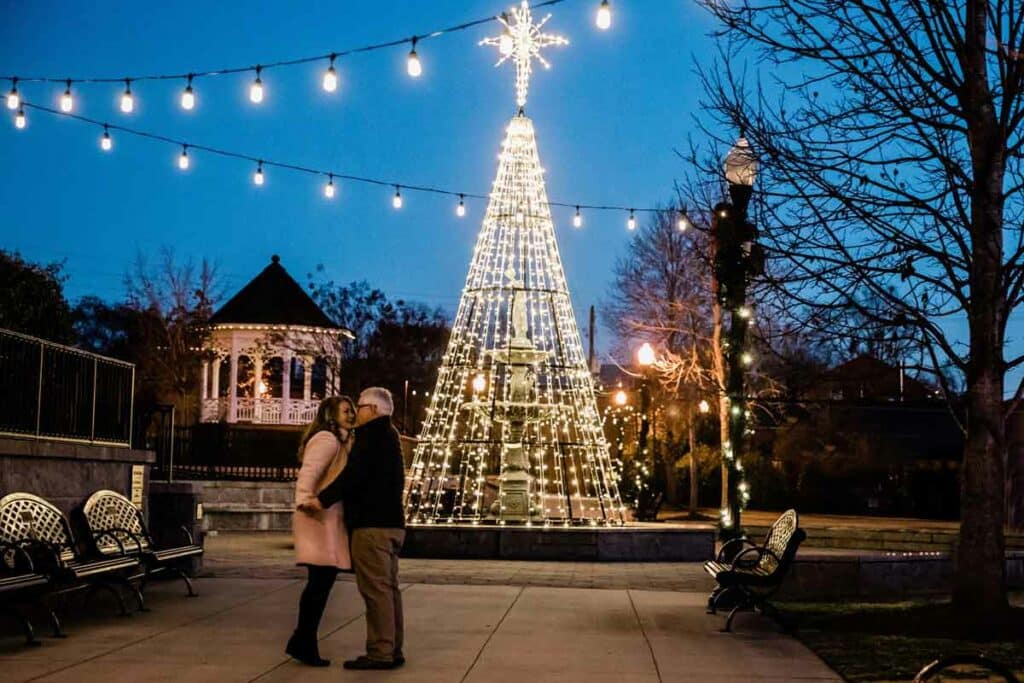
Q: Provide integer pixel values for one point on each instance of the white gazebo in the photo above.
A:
(273, 354)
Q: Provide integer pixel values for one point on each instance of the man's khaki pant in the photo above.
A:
(375, 561)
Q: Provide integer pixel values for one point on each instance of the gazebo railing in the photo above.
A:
(51, 391)
(292, 411)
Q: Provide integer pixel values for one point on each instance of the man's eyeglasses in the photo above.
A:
(364, 405)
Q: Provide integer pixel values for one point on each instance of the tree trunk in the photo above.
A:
(693, 465)
(979, 580)
(718, 362)
(1015, 469)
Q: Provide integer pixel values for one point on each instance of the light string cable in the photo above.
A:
(264, 66)
(329, 175)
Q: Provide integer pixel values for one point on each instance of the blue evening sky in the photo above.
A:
(608, 117)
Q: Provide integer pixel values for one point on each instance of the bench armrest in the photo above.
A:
(109, 533)
(188, 535)
(16, 549)
(743, 561)
(740, 542)
(51, 551)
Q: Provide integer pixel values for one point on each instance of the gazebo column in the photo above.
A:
(286, 385)
(203, 393)
(233, 387)
(307, 378)
(257, 380)
(215, 369)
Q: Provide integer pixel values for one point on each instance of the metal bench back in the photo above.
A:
(111, 512)
(778, 539)
(25, 517)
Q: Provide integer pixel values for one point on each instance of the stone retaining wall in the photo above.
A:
(66, 473)
(247, 505)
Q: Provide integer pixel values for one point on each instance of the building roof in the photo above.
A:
(868, 377)
(272, 298)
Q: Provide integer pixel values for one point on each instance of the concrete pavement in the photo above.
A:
(236, 632)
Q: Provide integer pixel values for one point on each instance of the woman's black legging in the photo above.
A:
(314, 599)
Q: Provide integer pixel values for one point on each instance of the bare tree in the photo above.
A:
(891, 154)
(662, 294)
(172, 301)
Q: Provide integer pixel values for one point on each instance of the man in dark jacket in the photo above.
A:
(371, 488)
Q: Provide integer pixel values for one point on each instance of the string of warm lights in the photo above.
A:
(330, 178)
(257, 89)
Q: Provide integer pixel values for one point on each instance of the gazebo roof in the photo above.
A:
(273, 298)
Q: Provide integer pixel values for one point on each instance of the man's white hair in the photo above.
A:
(380, 397)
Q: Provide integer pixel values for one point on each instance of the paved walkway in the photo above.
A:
(236, 629)
(270, 555)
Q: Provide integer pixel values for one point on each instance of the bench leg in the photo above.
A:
(110, 589)
(188, 582)
(140, 601)
(26, 626)
(58, 632)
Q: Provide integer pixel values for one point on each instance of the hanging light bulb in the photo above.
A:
(329, 187)
(183, 159)
(577, 219)
(256, 89)
(19, 119)
(396, 201)
(460, 210)
(106, 142)
(188, 96)
(127, 100)
(13, 98)
(479, 383)
(604, 16)
(631, 222)
(683, 222)
(67, 103)
(413, 65)
(331, 77)
(257, 177)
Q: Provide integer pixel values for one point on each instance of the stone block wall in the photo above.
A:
(247, 505)
(67, 473)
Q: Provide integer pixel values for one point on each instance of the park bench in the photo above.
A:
(20, 583)
(42, 530)
(116, 526)
(748, 574)
(954, 666)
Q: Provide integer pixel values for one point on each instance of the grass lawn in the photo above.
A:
(893, 641)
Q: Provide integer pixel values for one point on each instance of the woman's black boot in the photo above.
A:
(305, 650)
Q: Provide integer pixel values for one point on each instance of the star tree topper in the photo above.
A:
(521, 42)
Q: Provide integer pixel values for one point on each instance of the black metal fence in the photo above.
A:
(58, 392)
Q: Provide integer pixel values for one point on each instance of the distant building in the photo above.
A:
(868, 378)
(273, 354)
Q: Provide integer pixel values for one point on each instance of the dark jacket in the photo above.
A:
(373, 480)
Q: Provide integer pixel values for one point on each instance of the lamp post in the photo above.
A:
(645, 359)
(736, 258)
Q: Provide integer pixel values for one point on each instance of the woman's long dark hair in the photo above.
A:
(326, 420)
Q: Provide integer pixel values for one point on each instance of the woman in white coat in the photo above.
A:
(321, 540)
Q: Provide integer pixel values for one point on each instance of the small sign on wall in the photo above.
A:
(138, 482)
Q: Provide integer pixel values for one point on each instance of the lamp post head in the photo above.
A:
(741, 164)
(645, 355)
(620, 398)
(704, 406)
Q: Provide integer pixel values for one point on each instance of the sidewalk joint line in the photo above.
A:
(643, 632)
(330, 633)
(491, 635)
(111, 651)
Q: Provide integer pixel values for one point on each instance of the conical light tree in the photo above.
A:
(512, 433)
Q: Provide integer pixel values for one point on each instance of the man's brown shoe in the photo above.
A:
(365, 663)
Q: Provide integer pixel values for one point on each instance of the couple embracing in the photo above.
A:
(349, 517)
